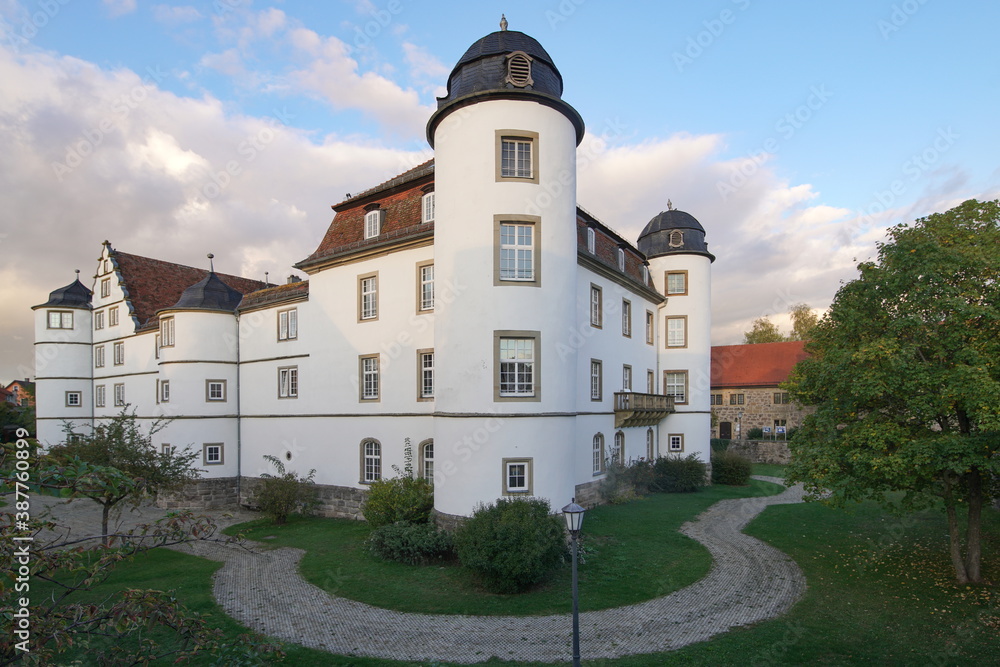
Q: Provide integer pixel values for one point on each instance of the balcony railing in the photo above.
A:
(635, 409)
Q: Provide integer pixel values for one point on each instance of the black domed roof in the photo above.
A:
(482, 73)
(209, 293)
(656, 239)
(74, 295)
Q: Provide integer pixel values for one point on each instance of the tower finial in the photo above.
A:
(503, 22)
(670, 205)
(78, 274)
(267, 279)
(211, 264)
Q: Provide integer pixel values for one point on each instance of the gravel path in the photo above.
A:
(749, 582)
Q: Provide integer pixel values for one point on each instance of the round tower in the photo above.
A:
(63, 365)
(505, 244)
(680, 267)
(198, 375)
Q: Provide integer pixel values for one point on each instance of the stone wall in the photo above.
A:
(759, 410)
(205, 494)
(588, 495)
(762, 451)
(342, 502)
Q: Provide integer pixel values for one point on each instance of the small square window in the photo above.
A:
(74, 399)
(675, 442)
(168, 449)
(215, 390)
(517, 477)
(516, 375)
(212, 454)
(677, 283)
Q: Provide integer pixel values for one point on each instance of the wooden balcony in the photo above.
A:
(634, 409)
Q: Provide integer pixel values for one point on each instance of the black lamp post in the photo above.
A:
(573, 514)
(739, 417)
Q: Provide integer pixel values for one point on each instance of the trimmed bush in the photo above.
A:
(731, 469)
(401, 498)
(410, 543)
(512, 544)
(755, 434)
(626, 482)
(719, 445)
(284, 493)
(676, 474)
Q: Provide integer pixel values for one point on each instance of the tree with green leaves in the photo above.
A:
(905, 372)
(763, 330)
(118, 463)
(803, 321)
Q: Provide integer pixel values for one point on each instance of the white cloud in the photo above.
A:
(425, 69)
(229, 62)
(119, 7)
(175, 15)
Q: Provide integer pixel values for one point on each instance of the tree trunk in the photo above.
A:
(105, 511)
(973, 539)
(954, 538)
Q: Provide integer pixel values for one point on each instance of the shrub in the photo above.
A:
(285, 493)
(410, 543)
(400, 498)
(731, 469)
(626, 482)
(676, 474)
(719, 445)
(511, 545)
(755, 434)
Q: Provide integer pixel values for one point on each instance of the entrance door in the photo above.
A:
(726, 430)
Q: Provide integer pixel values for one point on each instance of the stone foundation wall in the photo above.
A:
(763, 451)
(588, 494)
(342, 502)
(205, 494)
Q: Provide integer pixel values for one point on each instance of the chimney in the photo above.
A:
(293, 279)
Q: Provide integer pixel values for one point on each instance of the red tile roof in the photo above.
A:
(760, 365)
(153, 284)
(276, 294)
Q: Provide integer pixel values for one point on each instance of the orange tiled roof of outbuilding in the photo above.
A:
(759, 365)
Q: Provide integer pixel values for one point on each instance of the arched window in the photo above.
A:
(371, 460)
(427, 460)
(650, 445)
(618, 453)
(598, 453)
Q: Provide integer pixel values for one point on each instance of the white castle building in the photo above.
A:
(466, 313)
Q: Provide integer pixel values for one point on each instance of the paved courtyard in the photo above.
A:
(749, 582)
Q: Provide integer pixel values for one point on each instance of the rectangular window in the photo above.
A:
(675, 442)
(212, 453)
(516, 157)
(371, 461)
(99, 396)
(650, 382)
(591, 240)
(106, 288)
(98, 320)
(74, 399)
(626, 378)
(596, 380)
(120, 394)
(373, 223)
(517, 476)
(427, 208)
(119, 350)
(596, 308)
(167, 449)
(716, 399)
(288, 382)
(288, 324)
(516, 365)
(626, 318)
(677, 283)
(598, 454)
(425, 287)
(675, 384)
(113, 316)
(425, 370)
(167, 332)
(677, 331)
(156, 346)
(164, 391)
(781, 398)
(621, 259)
(99, 356)
(60, 319)
(368, 297)
(736, 399)
(649, 327)
(517, 251)
(370, 378)
(215, 390)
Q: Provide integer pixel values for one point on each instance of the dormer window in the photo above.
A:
(591, 240)
(621, 259)
(373, 222)
(676, 239)
(519, 69)
(427, 207)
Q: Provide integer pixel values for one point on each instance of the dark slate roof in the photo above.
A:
(74, 295)
(654, 241)
(210, 293)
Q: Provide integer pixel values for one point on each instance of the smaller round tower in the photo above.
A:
(680, 267)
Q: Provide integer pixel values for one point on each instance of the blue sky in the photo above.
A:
(795, 131)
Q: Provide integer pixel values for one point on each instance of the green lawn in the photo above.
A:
(769, 469)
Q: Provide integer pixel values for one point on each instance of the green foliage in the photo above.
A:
(755, 434)
(762, 330)
(400, 498)
(905, 373)
(627, 481)
(803, 321)
(719, 445)
(512, 544)
(285, 493)
(410, 543)
(676, 474)
(730, 468)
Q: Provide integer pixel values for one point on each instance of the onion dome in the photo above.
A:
(673, 232)
(210, 293)
(74, 295)
(506, 64)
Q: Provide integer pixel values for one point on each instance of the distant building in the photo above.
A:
(7, 397)
(746, 392)
(467, 313)
(23, 392)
